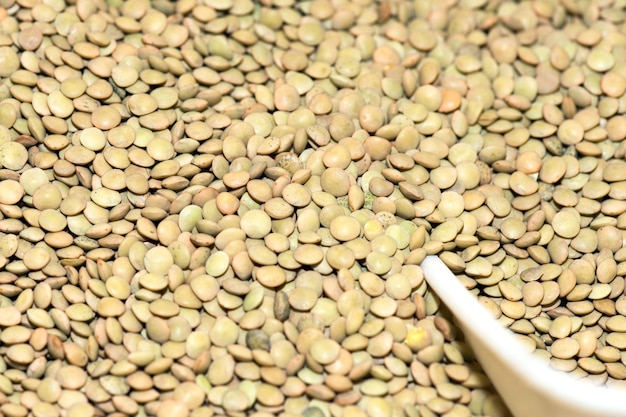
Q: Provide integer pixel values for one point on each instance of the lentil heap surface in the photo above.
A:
(219, 207)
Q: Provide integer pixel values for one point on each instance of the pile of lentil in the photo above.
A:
(219, 207)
